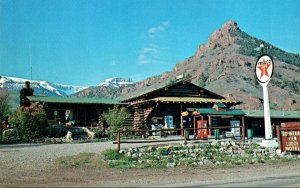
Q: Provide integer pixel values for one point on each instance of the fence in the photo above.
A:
(118, 141)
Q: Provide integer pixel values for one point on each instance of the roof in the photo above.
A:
(220, 105)
(274, 114)
(192, 100)
(211, 111)
(72, 100)
(155, 87)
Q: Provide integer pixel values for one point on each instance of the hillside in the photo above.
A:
(225, 65)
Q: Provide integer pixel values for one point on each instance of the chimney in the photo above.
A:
(27, 91)
(27, 85)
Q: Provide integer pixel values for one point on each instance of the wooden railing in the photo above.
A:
(118, 140)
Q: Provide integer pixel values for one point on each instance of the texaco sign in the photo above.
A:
(264, 68)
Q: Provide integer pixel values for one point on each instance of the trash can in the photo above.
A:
(217, 133)
(250, 133)
(153, 128)
(187, 134)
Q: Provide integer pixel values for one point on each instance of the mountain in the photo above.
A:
(13, 84)
(225, 65)
(108, 88)
(116, 82)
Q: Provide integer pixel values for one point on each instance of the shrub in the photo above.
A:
(203, 78)
(4, 107)
(29, 122)
(99, 133)
(9, 136)
(115, 117)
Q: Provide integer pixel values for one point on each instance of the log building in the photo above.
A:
(172, 104)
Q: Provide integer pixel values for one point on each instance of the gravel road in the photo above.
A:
(41, 156)
(33, 156)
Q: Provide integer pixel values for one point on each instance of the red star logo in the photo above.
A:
(263, 67)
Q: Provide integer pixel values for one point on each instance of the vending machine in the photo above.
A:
(202, 133)
(235, 131)
(168, 122)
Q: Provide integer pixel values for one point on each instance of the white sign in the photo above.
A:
(264, 68)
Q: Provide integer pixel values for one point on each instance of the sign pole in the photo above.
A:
(267, 117)
(264, 69)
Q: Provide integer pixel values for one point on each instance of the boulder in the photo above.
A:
(128, 154)
(278, 152)
(171, 165)
(68, 137)
(207, 162)
(91, 134)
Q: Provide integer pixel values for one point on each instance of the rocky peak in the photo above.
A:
(230, 25)
(222, 37)
(116, 82)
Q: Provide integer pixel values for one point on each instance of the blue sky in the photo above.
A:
(82, 42)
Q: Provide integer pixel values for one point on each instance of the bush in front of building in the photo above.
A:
(10, 136)
(115, 117)
(29, 122)
(4, 108)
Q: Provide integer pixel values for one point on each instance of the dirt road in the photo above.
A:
(32, 165)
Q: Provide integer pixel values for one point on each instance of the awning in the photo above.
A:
(211, 111)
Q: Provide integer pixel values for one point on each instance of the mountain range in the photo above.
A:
(225, 65)
(14, 84)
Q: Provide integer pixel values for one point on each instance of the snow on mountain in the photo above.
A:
(15, 84)
(116, 82)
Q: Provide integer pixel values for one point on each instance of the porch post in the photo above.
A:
(194, 126)
(181, 121)
(278, 137)
(85, 118)
(209, 125)
(243, 129)
(184, 137)
(181, 124)
(118, 141)
(77, 122)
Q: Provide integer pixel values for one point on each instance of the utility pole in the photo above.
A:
(30, 63)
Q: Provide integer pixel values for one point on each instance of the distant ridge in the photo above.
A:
(14, 84)
(116, 82)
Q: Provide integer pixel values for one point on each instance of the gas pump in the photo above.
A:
(202, 133)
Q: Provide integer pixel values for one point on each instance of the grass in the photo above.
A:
(82, 160)
(116, 160)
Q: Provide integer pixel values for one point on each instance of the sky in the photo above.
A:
(82, 42)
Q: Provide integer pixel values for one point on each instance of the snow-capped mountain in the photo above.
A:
(15, 84)
(116, 82)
